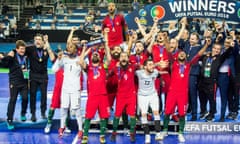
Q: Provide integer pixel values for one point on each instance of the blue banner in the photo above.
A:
(228, 10)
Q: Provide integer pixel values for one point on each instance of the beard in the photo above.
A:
(116, 55)
(181, 59)
(124, 64)
(95, 60)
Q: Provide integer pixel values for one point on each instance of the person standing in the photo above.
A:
(147, 96)
(38, 58)
(117, 26)
(16, 61)
(71, 89)
(97, 92)
(178, 91)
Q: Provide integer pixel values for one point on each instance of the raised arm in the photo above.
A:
(73, 29)
(107, 49)
(82, 56)
(140, 26)
(48, 48)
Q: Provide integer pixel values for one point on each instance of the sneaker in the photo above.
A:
(132, 137)
(102, 139)
(235, 116)
(230, 116)
(157, 136)
(44, 116)
(67, 130)
(84, 140)
(181, 138)
(80, 134)
(175, 118)
(47, 128)
(23, 117)
(222, 119)
(147, 139)
(194, 118)
(210, 118)
(60, 132)
(203, 115)
(113, 137)
(161, 135)
(10, 125)
(33, 118)
(126, 132)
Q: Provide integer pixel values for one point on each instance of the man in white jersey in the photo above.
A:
(71, 96)
(147, 96)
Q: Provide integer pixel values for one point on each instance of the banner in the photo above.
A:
(228, 10)
(213, 127)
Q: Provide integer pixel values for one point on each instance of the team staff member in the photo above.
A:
(208, 80)
(126, 95)
(38, 57)
(178, 91)
(116, 24)
(16, 61)
(97, 93)
(147, 96)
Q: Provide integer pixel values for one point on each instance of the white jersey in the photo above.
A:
(146, 83)
(72, 70)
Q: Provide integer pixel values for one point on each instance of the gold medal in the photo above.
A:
(182, 75)
(113, 29)
(40, 59)
(161, 55)
(22, 66)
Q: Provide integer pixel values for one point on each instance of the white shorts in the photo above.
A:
(145, 101)
(71, 100)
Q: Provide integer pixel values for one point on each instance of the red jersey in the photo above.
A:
(96, 80)
(138, 59)
(115, 25)
(180, 75)
(126, 85)
(159, 53)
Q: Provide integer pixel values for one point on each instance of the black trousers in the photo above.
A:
(233, 93)
(14, 91)
(42, 84)
(207, 92)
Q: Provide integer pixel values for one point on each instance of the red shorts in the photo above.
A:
(99, 103)
(176, 99)
(129, 103)
(55, 103)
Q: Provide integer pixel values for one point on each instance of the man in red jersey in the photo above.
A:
(116, 24)
(178, 91)
(126, 95)
(97, 92)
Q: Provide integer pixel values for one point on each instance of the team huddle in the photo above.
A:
(131, 71)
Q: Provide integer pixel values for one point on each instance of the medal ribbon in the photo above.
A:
(160, 49)
(209, 61)
(40, 53)
(112, 21)
(138, 59)
(182, 68)
(21, 59)
(95, 70)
